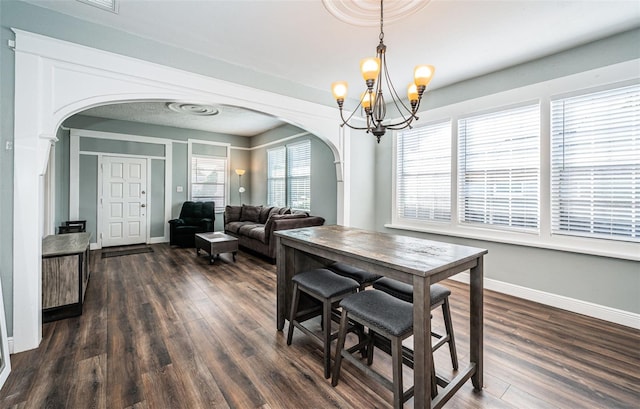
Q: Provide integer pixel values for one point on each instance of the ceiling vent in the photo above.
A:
(109, 5)
(193, 109)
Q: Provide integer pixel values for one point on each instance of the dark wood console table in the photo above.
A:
(65, 274)
(415, 261)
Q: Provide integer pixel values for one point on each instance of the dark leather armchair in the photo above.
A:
(195, 217)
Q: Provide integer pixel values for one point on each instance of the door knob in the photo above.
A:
(143, 205)
(143, 192)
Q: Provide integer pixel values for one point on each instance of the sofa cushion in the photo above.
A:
(255, 231)
(284, 210)
(233, 227)
(232, 213)
(265, 212)
(250, 213)
(268, 227)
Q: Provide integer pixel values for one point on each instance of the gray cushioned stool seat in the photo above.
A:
(363, 277)
(327, 287)
(439, 296)
(386, 316)
(325, 282)
(381, 310)
(404, 291)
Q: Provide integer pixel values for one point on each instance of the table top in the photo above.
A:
(215, 237)
(65, 244)
(409, 254)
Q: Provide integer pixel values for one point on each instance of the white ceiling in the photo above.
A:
(301, 42)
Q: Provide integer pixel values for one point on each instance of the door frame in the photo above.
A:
(74, 177)
(100, 230)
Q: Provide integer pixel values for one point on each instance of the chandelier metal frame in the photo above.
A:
(372, 100)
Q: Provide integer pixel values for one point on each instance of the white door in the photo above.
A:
(124, 201)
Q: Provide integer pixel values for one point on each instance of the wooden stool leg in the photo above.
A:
(446, 313)
(326, 319)
(370, 343)
(294, 311)
(396, 357)
(342, 335)
(434, 381)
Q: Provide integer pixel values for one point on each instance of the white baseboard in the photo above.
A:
(156, 240)
(10, 341)
(602, 312)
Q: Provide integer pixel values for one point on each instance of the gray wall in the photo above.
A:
(323, 171)
(7, 79)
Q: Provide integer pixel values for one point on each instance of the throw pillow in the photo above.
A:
(265, 212)
(232, 214)
(250, 213)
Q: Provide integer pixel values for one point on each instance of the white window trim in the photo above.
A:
(227, 181)
(606, 77)
(286, 176)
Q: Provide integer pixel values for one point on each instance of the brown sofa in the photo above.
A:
(254, 225)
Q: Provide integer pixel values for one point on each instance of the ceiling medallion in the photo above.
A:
(366, 13)
(193, 109)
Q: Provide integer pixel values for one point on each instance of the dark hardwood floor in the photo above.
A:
(167, 330)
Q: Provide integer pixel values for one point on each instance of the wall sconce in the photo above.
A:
(241, 189)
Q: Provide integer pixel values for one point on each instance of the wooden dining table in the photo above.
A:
(412, 260)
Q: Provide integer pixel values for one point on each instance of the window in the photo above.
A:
(276, 177)
(289, 176)
(208, 176)
(498, 162)
(423, 173)
(595, 164)
(299, 176)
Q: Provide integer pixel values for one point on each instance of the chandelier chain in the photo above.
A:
(381, 22)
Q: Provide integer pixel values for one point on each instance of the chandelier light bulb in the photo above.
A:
(367, 98)
(339, 90)
(412, 93)
(423, 74)
(370, 68)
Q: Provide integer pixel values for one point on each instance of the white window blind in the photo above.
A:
(276, 177)
(423, 173)
(499, 168)
(299, 176)
(595, 171)
(208, 176)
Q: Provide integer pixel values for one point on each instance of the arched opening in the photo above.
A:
(62, 79)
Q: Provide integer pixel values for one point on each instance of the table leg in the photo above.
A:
(284, 262)
(234, 256)
(422, 341)
(476, 326)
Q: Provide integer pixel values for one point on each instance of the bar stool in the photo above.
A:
(328, 288)
(388, 317)
(439, 297)
(363, 277)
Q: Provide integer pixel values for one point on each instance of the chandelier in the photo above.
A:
(374, 71)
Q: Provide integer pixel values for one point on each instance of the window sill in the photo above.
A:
(594, 247)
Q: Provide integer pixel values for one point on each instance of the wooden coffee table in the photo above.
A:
(215, 243)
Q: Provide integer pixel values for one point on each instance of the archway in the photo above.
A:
(56, 79)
